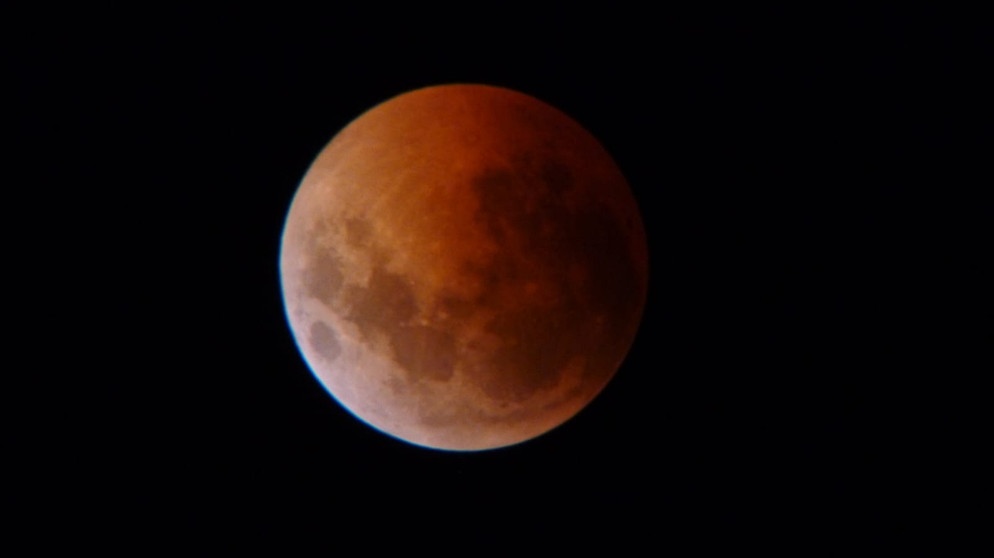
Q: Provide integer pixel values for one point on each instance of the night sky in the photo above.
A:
(792, 169)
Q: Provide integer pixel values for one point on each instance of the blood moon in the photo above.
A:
(464, 267)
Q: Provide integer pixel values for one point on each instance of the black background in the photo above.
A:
(797, 172)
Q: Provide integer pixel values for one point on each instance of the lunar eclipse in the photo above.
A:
(464, 267)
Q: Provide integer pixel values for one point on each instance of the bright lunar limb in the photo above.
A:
(464, 267)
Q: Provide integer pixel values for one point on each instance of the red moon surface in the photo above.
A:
(464, 267)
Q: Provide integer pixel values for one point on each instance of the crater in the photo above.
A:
(537, 348)
(325, 341)
(527, 214)
(357, 232)
(323, 278)
(425, 352)
(386, 303)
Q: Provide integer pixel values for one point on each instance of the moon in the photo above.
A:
(464, 267)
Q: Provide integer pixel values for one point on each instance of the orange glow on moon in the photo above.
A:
(464, 267)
